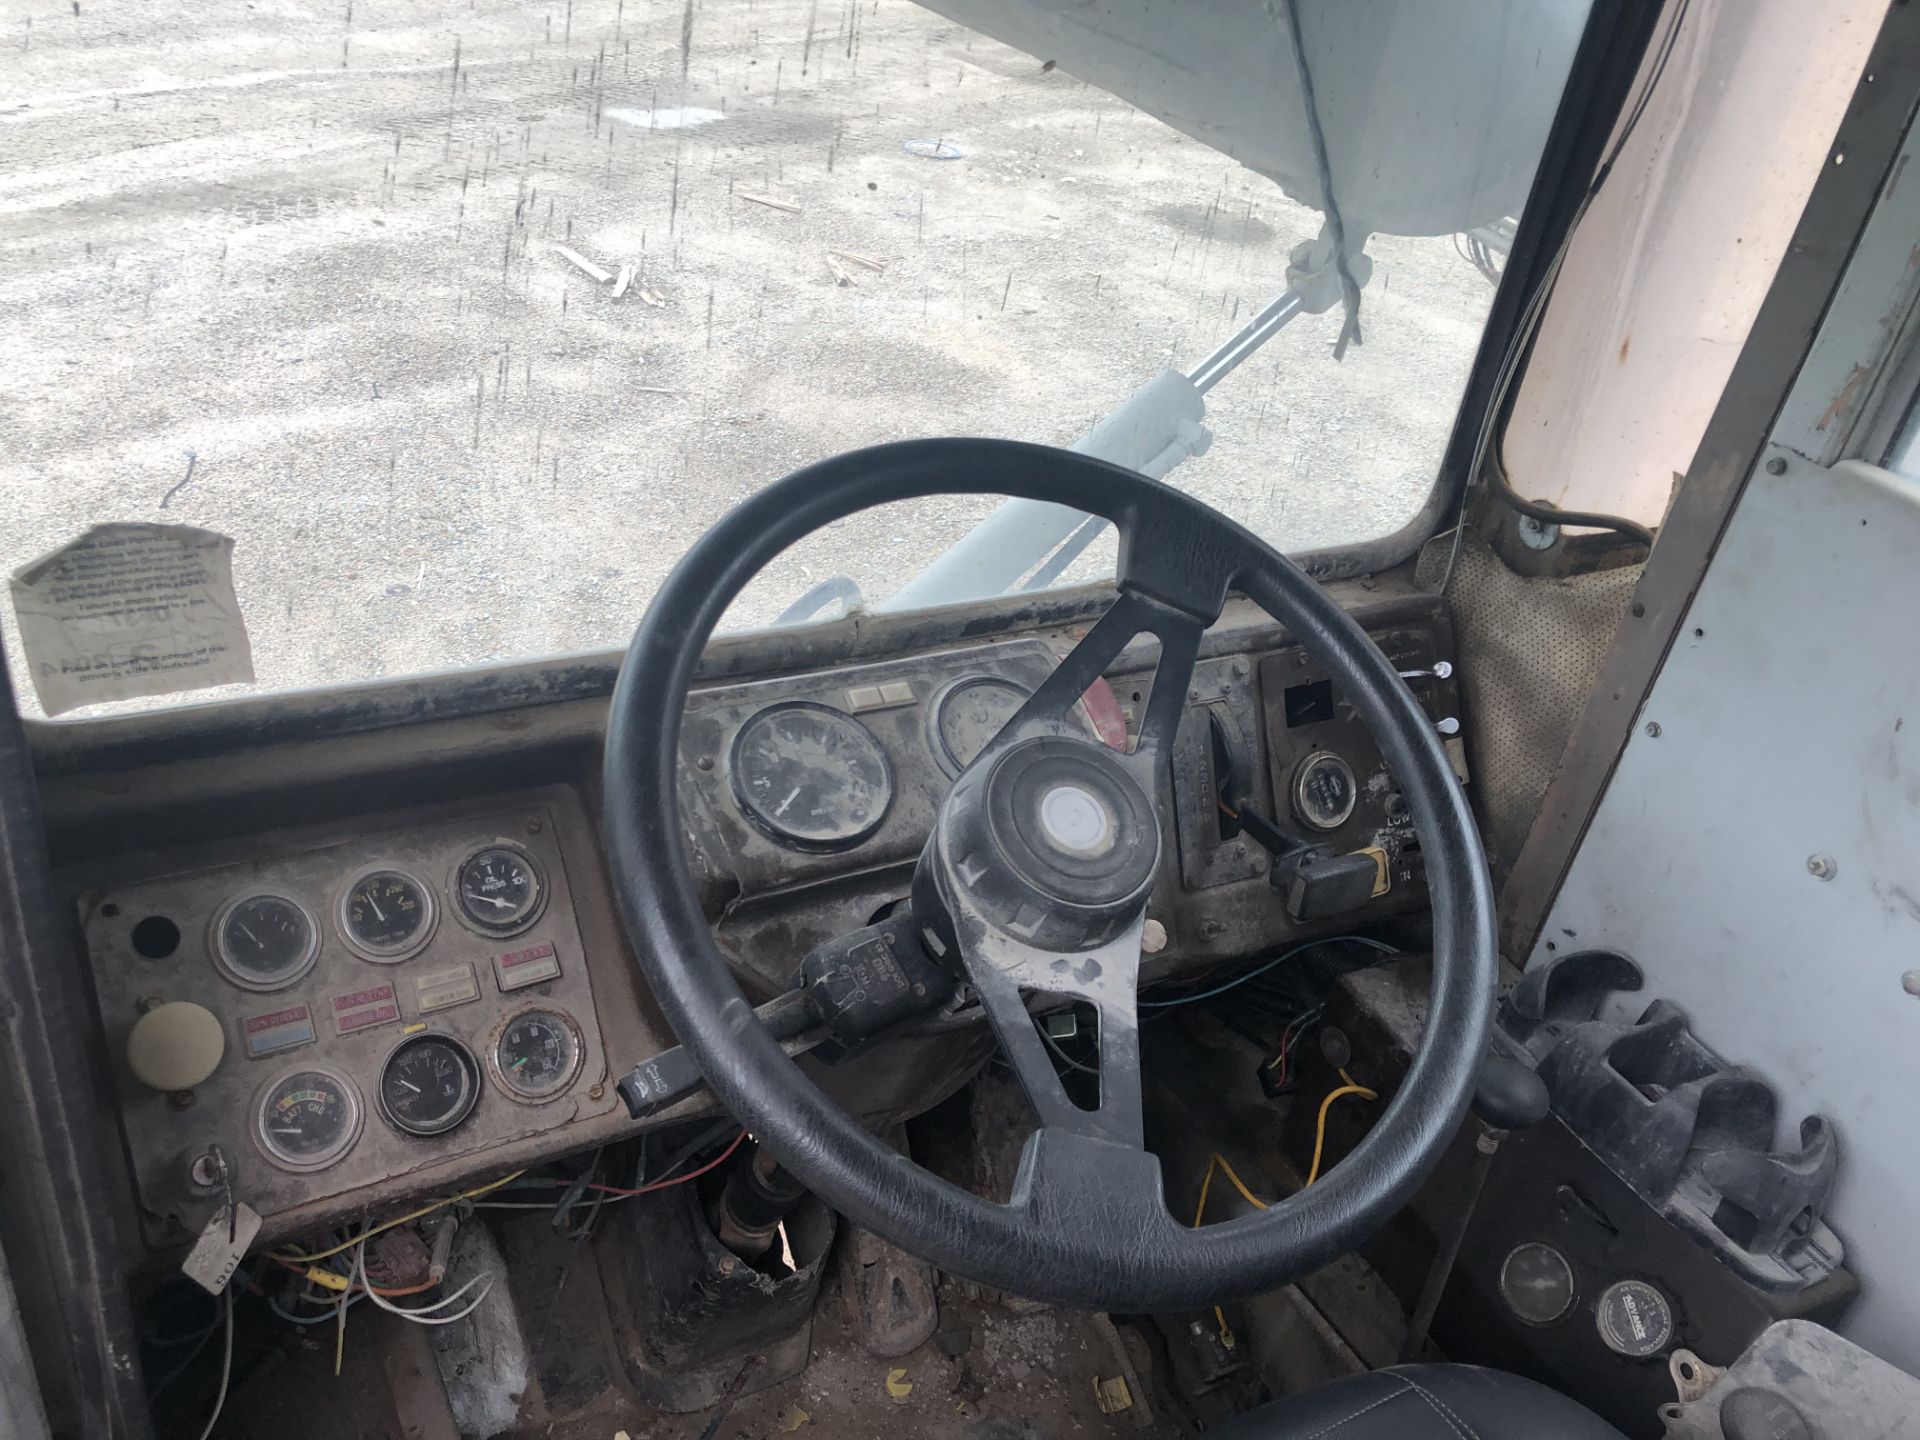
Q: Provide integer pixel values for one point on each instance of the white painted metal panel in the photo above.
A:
(1786, 725)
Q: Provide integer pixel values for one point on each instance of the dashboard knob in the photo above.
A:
(175, 1046)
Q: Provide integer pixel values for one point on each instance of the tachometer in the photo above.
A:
(428, 1085)
(537, 1054)
(307, 1118)
(812, 777)
(264, 941)
(967, 714)
(386, 914)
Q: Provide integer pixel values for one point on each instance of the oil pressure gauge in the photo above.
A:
(499, 889)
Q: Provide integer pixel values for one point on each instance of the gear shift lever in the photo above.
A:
(1507, 1095)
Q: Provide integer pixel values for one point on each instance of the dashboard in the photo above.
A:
(339, 1010)
(408, 975)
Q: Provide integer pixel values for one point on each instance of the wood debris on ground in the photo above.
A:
(626, 278)
(586, 266)
(854, 257)
(769, 201)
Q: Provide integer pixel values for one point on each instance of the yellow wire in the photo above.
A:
(389, 1224)
(1218, 1162)
(340, 1336)
(1351, 1087)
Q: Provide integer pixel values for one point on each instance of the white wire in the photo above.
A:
(226, 1371)
(424, 1314)
(325, 1317)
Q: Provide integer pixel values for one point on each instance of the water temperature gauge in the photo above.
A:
(428, 1085)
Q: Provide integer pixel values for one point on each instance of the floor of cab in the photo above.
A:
(991, 1373)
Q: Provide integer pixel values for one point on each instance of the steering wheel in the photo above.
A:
(1035, 881)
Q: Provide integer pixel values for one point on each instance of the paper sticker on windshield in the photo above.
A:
(131, 610)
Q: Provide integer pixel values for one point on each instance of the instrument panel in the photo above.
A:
(807, 797)
(331, 1012)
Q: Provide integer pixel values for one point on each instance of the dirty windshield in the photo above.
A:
(442, 329)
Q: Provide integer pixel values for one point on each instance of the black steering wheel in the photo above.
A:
(1035, 880)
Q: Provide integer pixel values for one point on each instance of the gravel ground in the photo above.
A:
(311, 249)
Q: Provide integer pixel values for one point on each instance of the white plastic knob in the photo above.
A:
(175, 1046)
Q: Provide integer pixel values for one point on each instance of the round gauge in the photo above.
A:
(537, 1054)
(428, 1085)
(386, 914)
(499, 889)
(264, 941)
(813, 778)
(1536, 1281)
(967, 714)
(307, 1118)
(1324, 790)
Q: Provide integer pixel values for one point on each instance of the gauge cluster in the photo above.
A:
(335, 1011)
(787, 779)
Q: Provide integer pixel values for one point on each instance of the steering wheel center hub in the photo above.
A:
(1052, 841)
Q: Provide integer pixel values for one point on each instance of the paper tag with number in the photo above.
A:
(222, 1244)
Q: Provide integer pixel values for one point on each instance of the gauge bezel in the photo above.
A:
(773, 829)
(458, 904)
(468, 1102)
(1304, 772)
(231, 972)
(356, 1120)
(391, 955)
(498, 1072)
(1506, 1288)
(942, 752)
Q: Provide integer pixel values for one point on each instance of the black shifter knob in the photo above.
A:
(1508, 1095)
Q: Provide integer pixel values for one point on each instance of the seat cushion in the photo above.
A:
(1422, 1402)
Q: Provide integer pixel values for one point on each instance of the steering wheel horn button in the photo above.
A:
(1074, 819)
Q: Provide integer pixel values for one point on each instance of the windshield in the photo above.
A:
(463, 320)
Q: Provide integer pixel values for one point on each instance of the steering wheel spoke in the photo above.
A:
(1018, 986)
(1132, 614)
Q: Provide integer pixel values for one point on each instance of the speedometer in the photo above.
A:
(812, 777)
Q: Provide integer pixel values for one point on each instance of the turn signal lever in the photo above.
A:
(852, 989)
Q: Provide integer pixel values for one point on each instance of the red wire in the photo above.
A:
(714, 1163)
